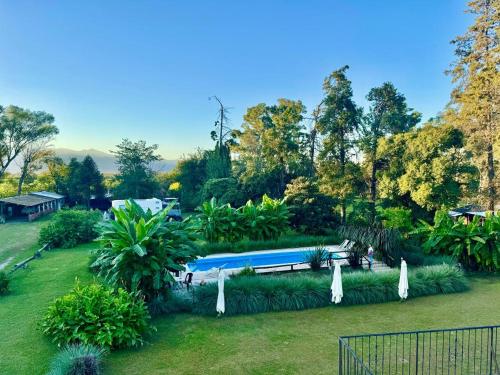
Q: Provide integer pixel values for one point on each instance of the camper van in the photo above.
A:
(155, 205)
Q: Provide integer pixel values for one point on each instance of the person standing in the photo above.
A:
(370, 256)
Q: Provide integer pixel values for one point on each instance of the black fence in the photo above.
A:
(472, 350)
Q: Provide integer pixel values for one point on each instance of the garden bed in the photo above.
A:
(257, 294)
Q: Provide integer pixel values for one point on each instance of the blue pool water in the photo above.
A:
(250, 260)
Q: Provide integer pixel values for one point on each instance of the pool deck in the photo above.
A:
(200, 277)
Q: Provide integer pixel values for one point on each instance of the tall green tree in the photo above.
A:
(191, 174)
(476, 96)
(73, 182)
(271, 140)
(91, 180)
(136, 178)
(427, 166)
(389, 114)
(33, 158)
(58, 172)
(340, 118)
(20, 128)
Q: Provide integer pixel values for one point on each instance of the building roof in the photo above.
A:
(26, 200)
(470, 209)
(47, 194)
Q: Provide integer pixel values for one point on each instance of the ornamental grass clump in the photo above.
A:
(316, 258)
(97, 315)
(78, 360)
(250, 295)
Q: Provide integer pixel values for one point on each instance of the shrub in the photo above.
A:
(97, 315)
(4, 282)
(246, 271)
(311, 211)
(78, 360)
(265, 221)
(225, 190)
(68, 228)
(475, 245)
(248, 295)
(222, 223)
(283, 242)
(139, 250)
(397, 218)
(316, 258)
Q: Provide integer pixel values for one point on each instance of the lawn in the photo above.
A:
(19, 239)
(282, 343)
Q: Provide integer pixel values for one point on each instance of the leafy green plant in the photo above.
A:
(68, 228)
(97, 315)
(78, 360)
(220, 222)
(475, 245)
(140, 250)
(4, 282)
(249, 295)
(265, 221)
(316, 258)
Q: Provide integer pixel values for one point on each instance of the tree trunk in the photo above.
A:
(24, 172)
(373, 185)
(342, 173)
(491, 178)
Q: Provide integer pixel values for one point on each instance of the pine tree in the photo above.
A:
(91, 180)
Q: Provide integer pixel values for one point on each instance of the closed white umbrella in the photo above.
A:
(403, 280)
(336, 288)
(221, 306)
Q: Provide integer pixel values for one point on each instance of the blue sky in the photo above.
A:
(145, 69)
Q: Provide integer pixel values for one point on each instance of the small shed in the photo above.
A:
(30, 206)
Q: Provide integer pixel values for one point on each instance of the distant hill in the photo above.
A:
(105, 161)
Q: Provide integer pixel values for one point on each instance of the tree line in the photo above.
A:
(360, 157)
(355, 158)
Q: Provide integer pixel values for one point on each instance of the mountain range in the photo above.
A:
(106, 162)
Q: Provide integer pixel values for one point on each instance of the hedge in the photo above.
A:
(283, 242)
(249, 295)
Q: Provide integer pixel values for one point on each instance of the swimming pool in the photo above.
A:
(251, 260)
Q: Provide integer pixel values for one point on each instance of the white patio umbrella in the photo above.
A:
(403, 280)
(221, 306)
(336, 288)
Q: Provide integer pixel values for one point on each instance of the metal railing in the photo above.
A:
(458, 351)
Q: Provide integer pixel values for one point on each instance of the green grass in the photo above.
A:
(23, 348)
(297, 342)
(301, 342)
(19, 239)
